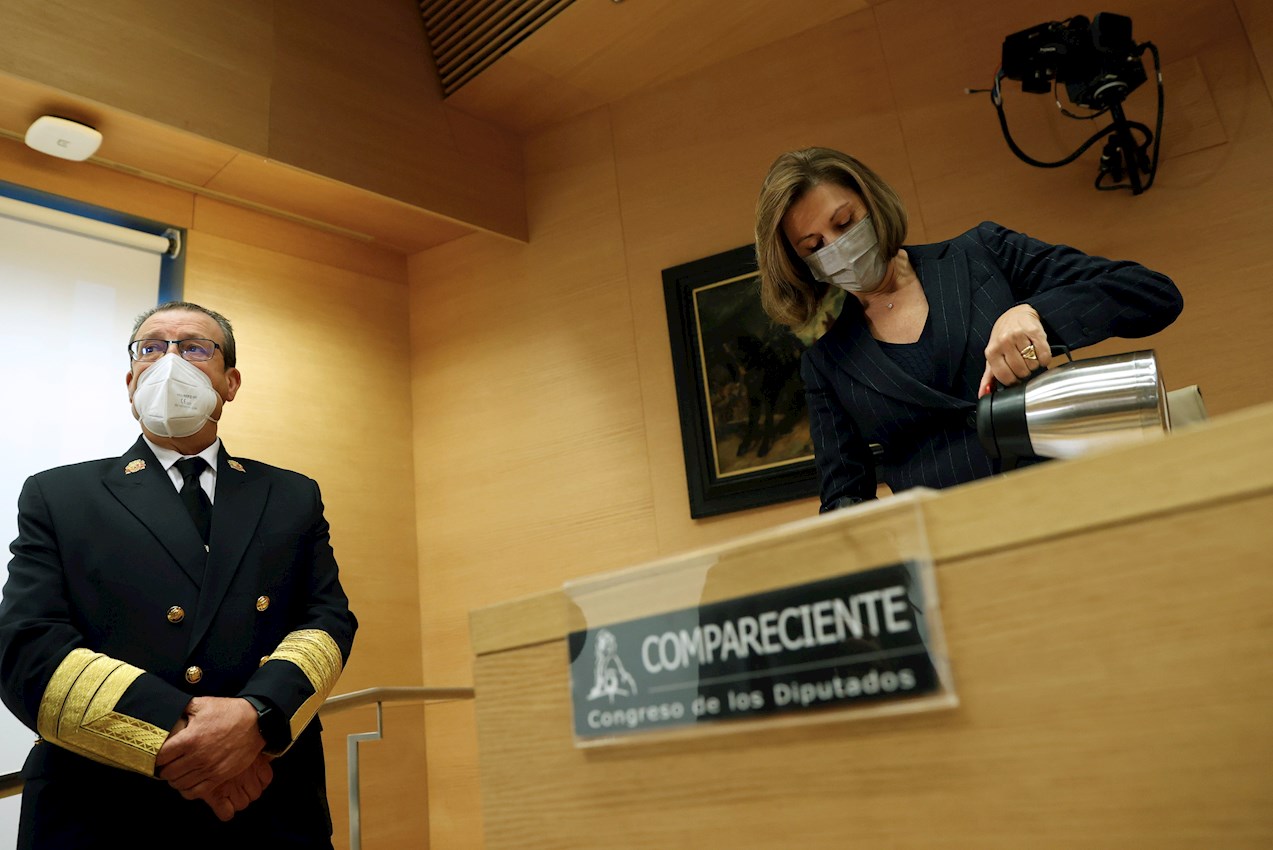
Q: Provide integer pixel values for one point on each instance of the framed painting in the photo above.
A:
(744, 424)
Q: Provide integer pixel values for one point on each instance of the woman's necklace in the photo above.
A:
(889, 304)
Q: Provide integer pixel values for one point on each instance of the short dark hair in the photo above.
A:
(227, 346)
(788, 291)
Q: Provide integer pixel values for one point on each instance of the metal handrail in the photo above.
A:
(369, 696)
(378, 697)
(11, 783)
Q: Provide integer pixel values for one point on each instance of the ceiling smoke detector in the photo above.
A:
(63, 138)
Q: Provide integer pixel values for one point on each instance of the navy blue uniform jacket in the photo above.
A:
(114, 617)
(857, 395)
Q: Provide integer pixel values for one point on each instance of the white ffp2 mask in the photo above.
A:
(172, 398)
(852, 262)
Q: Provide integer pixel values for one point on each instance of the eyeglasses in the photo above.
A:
(150, 350)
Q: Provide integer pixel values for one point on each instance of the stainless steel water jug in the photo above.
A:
(1075, 408)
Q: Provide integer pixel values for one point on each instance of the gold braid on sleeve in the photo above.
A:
(77, 712)
(318, 656)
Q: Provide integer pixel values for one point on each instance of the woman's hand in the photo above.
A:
(1018, 346)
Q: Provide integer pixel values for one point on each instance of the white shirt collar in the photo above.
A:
(168, 457)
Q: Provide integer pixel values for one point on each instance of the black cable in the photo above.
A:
(1133, 159)
(996, 97)
(1056, 96)
(1153, 168)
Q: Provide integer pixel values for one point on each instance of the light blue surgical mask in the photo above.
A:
(852, 262)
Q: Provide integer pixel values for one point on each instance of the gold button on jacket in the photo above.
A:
(193, 675)
(176, 614)
(262, 602)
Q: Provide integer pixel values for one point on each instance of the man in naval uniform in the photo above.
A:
(172, 622)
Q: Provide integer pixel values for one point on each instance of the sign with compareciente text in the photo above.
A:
(857, 639)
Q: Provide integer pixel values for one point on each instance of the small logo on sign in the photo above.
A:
(610, 678)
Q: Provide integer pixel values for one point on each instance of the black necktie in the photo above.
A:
(192, 494)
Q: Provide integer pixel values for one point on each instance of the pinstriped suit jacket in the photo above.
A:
(857, 395)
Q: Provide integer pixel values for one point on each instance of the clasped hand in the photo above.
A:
(1018, 332)
(214, 754)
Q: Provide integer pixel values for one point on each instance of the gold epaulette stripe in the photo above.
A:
(78, 712)
(318, 656)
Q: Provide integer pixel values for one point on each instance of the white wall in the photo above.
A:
(67, 305)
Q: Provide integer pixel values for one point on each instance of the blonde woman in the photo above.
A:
(926, 329)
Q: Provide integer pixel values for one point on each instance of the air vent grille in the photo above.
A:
(467, 36)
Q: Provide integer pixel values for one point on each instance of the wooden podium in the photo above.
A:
(1109, 623)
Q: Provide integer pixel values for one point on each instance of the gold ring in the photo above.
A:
(1029, 353)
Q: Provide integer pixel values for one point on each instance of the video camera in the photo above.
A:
(1100, 65)
(1098, 61)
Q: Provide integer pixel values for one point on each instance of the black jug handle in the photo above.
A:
(1055, 349)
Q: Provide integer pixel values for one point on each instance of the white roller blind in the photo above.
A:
(67, 305)
(23, 211)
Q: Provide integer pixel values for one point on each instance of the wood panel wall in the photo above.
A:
(1082, 720)
(342, 90)
(530, 434)
(320, 323)
(548, 443)
(597, 53)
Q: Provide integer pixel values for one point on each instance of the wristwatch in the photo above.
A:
(272, 725)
